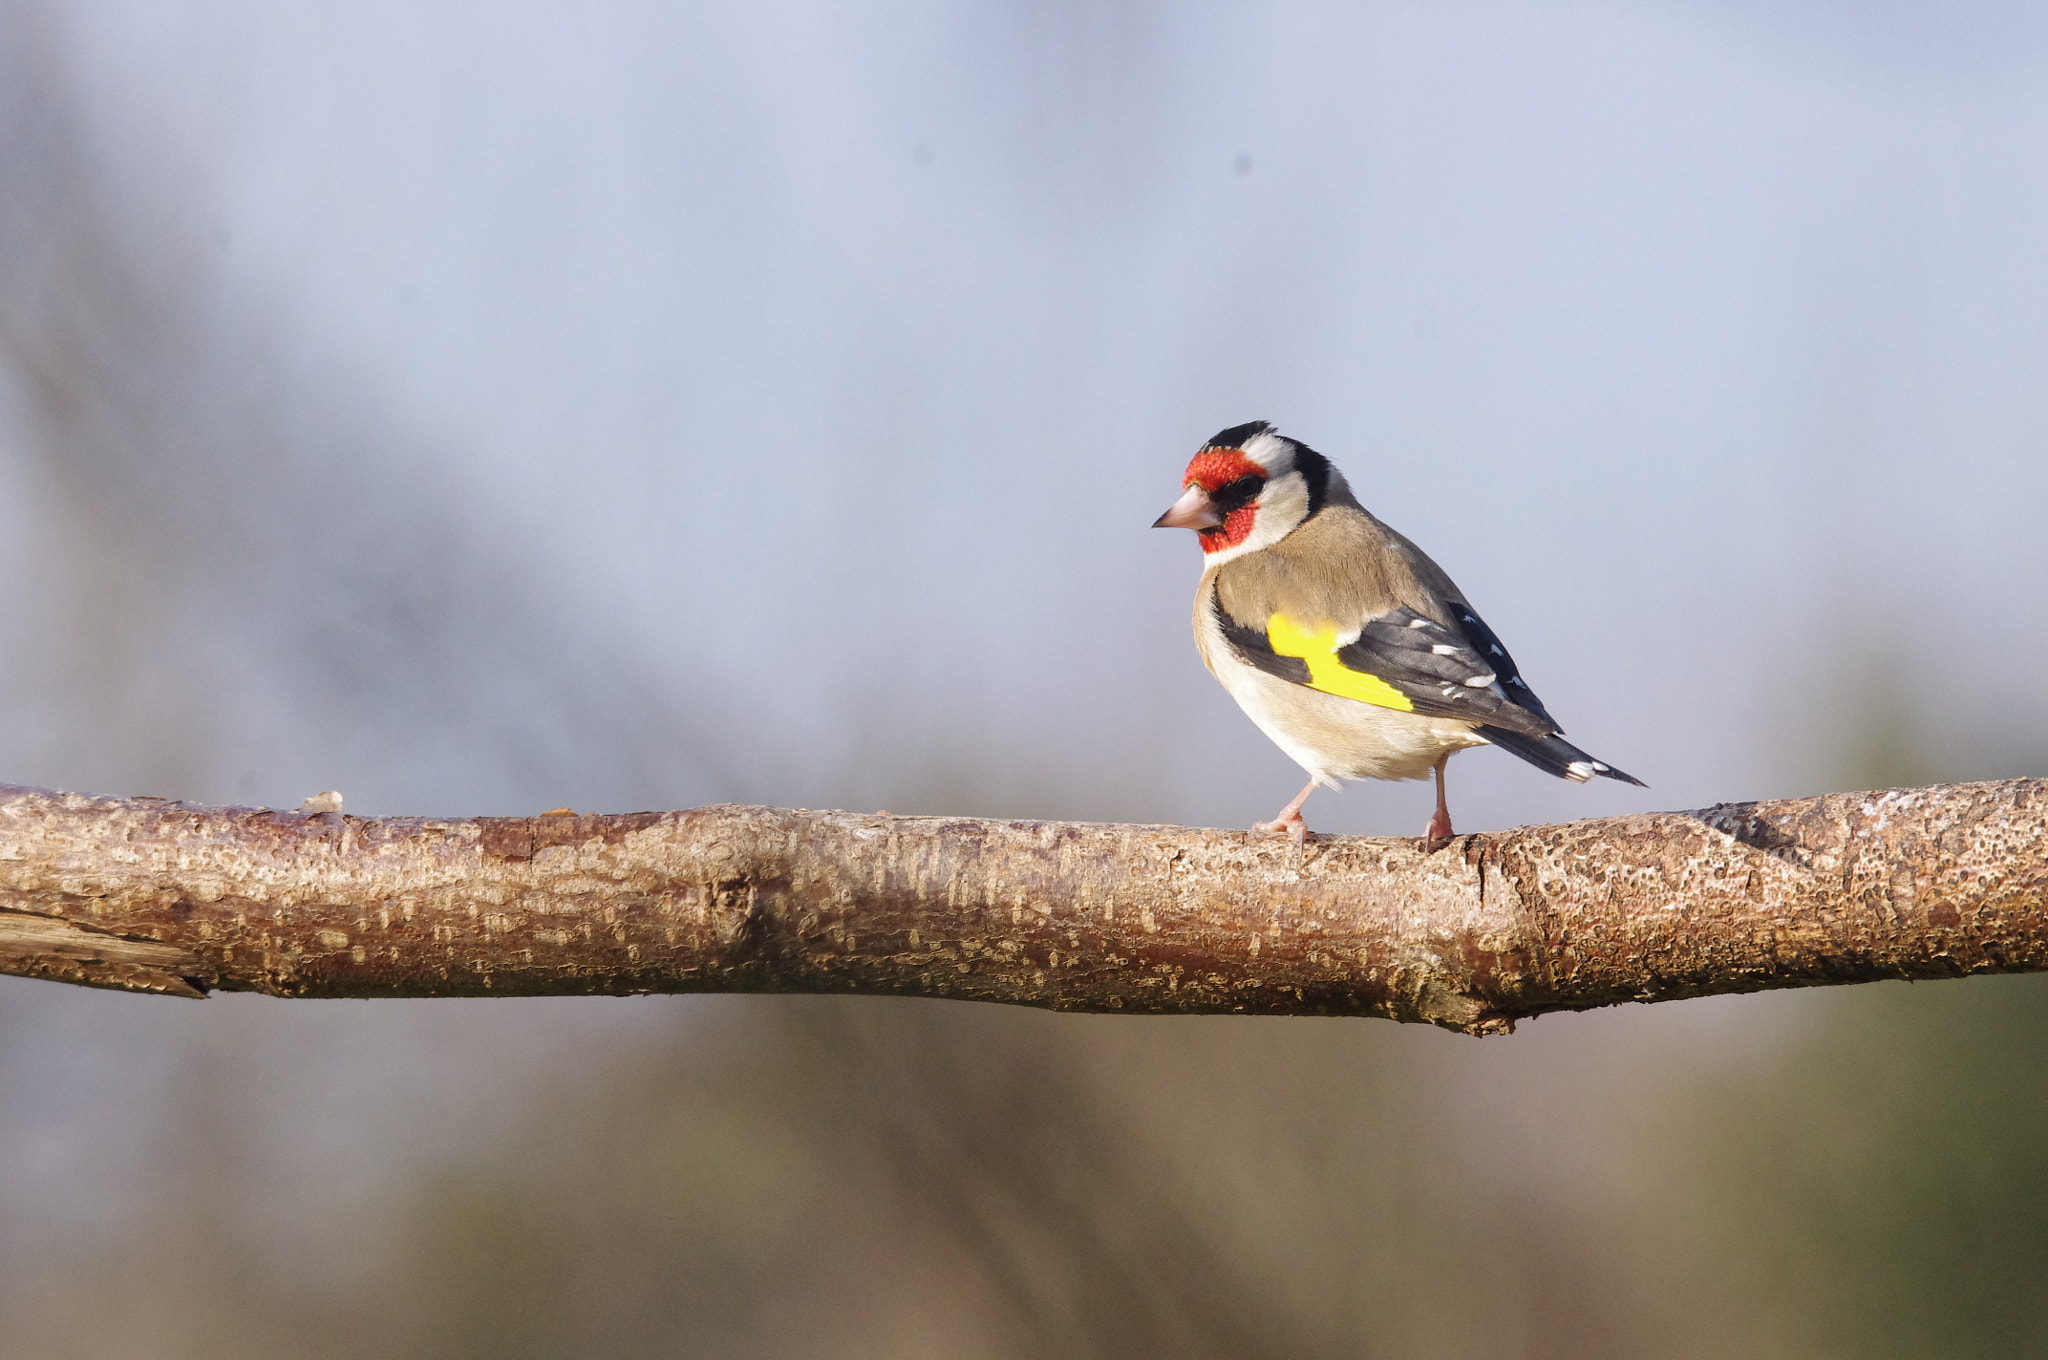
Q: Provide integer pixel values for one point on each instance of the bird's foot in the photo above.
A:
(1288, 823)
(1437, 834)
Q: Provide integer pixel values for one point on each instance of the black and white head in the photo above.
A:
(1248, 488)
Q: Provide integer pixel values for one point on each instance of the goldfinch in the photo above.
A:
(1340, 638)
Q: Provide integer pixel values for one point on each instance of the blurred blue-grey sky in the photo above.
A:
(831, 362)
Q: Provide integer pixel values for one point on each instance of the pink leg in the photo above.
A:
(1437, 834)
(1289, 822)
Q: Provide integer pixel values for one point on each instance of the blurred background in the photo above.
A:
(484, 408)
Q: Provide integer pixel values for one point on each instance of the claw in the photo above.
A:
(1288, 820)
(1437, 834)
(1288, 823)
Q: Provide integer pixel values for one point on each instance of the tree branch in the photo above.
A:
(155, 896)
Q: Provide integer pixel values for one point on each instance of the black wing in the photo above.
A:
(1487, 646)
(1406, 661)
(1400, 660)
(1548, 752)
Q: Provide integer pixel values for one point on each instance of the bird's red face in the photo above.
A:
(1219, 499)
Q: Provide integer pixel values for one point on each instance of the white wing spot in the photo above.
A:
(1579, 771)
(1481, 681)
(1444, 649)
(1418, 623)
(1498, 652)
(1602, 768)
(1517, 680)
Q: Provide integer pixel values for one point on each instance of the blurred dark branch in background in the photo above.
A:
(156, 896)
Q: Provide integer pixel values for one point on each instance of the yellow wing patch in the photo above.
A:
(1325, 671)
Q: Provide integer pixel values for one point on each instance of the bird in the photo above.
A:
(1352, 650)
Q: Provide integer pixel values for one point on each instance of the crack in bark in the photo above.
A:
(35, 944)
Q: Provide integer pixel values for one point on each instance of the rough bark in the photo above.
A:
(156, 896)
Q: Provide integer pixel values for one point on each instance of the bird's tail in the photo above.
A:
(1554, 755)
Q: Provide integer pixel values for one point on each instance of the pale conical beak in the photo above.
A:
(1194, 510)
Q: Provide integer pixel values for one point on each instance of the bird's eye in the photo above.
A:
(1237, 494)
